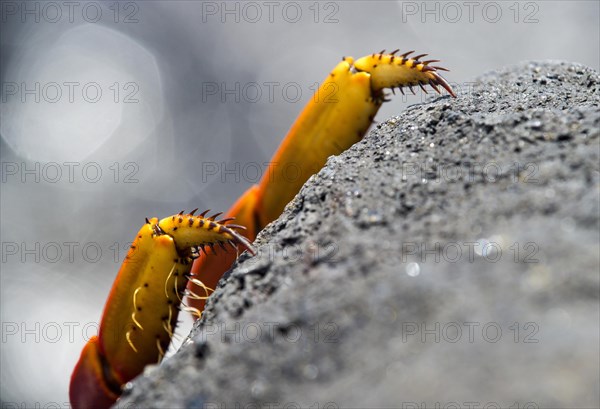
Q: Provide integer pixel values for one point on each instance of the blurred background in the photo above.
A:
(116, 111)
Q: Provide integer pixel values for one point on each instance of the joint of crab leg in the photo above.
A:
(196, 231)
(93, 384)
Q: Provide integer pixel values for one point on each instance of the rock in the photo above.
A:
(450, 258)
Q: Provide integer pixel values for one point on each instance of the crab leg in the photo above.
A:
(141, 310)
(338, 115)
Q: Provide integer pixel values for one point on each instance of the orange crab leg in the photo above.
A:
(141, 311)
(338, 116)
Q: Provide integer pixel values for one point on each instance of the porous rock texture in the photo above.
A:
(451, 258)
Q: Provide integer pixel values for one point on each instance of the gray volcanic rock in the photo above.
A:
(451, 258)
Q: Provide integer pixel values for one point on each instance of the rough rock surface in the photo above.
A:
(451, 258)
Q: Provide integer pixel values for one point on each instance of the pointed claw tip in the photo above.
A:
(439, 80)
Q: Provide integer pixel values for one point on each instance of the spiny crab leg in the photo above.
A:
(328, 125)
(141, 311)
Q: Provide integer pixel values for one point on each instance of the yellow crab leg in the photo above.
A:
(338, 115)
(142, 308)
(141, 311)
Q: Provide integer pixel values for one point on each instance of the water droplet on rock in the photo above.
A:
(413, 269)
